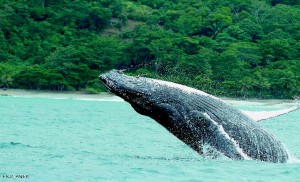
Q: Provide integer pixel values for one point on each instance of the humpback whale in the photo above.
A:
(198, 118)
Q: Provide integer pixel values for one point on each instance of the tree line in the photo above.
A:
(237, 48)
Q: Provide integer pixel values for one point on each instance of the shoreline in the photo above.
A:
(106, 96)
(78, 95)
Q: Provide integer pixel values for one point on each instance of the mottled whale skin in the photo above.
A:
(197, 118)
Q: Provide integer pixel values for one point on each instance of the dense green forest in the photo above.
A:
(236, 48)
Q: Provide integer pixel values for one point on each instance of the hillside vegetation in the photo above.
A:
(237, 48)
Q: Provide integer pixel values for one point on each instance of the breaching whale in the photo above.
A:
(197, 118)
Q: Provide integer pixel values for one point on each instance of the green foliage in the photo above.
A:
(7, 73)
(232, 48)
(38, 77)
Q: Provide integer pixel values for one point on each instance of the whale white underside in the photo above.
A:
(221, 130)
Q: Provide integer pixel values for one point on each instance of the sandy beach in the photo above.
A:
(78, 95)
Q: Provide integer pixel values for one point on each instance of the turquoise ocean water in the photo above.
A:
(78, 140)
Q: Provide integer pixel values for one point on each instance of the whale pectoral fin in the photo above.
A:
(198, 122)
(263, 115)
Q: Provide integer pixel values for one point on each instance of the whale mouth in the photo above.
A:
(106, 82)
(127, 87)
(103, 79)
(114, 81)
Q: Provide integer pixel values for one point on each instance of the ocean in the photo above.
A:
(44, 139)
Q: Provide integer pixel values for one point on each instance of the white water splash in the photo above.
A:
(211, 152)
(293, 159)
(223, 132)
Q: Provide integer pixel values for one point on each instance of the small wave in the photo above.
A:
(163, 158)
(14, 144)
(55, 156)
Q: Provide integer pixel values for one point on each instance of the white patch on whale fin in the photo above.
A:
(222, 131)
(262, 115)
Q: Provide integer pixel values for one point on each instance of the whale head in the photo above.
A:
(129, 88)
(152, 97)
(142, 93)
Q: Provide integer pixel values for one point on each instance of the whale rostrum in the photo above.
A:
(198, 118)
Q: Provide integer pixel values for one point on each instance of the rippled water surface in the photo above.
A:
(77, 140)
